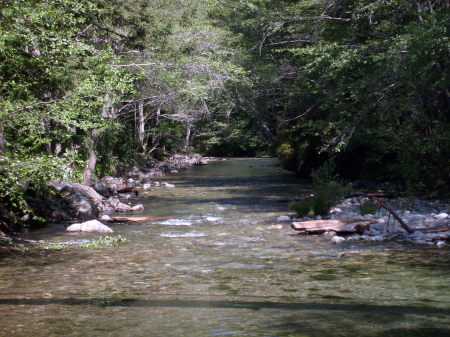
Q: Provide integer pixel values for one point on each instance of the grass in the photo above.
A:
(104, 241)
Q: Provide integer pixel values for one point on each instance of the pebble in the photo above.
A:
(277, 226)
(337, 239)
(440, 244)
(282, 218)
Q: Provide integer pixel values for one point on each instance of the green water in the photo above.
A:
(219, 270)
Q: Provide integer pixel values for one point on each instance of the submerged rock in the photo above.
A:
(89, 226)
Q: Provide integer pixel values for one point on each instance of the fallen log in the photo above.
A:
(137, 218)
(383, 204)
(340, 226)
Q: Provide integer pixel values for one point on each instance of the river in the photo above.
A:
(219, 269)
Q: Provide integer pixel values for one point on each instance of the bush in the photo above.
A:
(322, 203)
(302, 208)
(368, 207)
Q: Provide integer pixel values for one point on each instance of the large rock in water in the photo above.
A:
(89, 226)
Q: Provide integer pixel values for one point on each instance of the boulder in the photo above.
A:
(89, 226)
(80, 206)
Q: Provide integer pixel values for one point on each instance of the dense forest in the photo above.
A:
(89, 86)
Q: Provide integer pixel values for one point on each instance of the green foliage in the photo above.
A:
(302, 208)
(53, 245)
(104, 241)
(368, 207)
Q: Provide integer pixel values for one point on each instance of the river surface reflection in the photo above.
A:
(219, 269)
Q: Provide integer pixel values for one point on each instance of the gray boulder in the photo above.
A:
(89, 226)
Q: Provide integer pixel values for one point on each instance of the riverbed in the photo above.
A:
(219, 269)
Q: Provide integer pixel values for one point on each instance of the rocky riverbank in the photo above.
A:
(71, 202)
(421, 215)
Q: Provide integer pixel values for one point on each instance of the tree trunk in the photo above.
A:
(2, 141)
(187, 138)
(141, 126)
(92, 159)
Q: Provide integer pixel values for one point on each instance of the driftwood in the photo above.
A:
(137, 218)
(382, 203)
(434, 230)
(341, 226)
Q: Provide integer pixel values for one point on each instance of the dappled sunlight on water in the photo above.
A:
(218, 269)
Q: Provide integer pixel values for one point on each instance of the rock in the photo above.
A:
(417, 236)
(441, 216)
(277, 226)
(168, 185)
(89, 226)
(318, 217)
(106, 218)
(174, 171)
(283, 218)
(354, 237)
(378, 238)
(138, 207)
(337, 239)
(147, 186)
(101, 189)
(440, 244)
(335, 210)
(121, 207)
(80, 206)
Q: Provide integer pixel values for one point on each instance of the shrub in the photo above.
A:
(302, 208)
(368, 207)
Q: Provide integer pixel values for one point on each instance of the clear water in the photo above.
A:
(218, 269)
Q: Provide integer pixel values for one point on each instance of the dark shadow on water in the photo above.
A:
(223, 304)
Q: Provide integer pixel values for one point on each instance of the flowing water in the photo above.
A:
(219, 269)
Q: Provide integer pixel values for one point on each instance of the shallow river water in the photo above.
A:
(218, 269)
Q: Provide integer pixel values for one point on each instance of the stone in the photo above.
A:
(417, 236)
(283, 218)
(277, 226)
(147, 186)
(106, 218)
(440, 244)
(318, 217)
(89, 226)
(121, 207)
(337, 239)
(441, 216)
(81, 207)
(354, 237)
(168, 185)
(335, 210)
(378, 238)
(138, 207)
